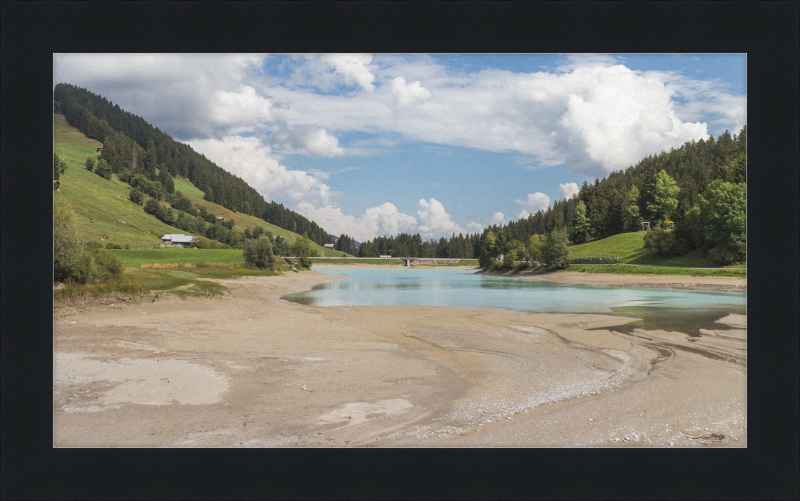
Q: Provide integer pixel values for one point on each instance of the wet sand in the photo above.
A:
(252, 370)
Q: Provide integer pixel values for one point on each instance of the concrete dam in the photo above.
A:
(429, 261)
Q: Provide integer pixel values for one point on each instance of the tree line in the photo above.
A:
(131, 144)
(699, 188)
(406, 245)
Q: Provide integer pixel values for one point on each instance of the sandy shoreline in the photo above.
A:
(676, 282)
(252, 370)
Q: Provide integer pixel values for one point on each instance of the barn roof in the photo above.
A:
(179, 238)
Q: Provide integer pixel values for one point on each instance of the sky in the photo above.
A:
(377, 144)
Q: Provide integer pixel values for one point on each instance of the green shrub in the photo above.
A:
(137, 196)
(103, 169)
(303, 260)
(664, 242)
(67, 248)
(258, 253)
(555, 252)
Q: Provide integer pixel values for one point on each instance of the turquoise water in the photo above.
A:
(674, 310)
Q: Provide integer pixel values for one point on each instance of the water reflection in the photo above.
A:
(688, 321)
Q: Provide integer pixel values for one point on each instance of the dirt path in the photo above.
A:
(252, 370)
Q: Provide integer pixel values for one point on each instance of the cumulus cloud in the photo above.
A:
(498, 218)
(434, 220)
(306, 138)
(617, 119)
(593, 114)
(535, 201)
(408, 93)
(382, 220)
(568, 189)
(250, 159)
(523, 214)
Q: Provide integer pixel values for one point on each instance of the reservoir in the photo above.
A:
(655, 308)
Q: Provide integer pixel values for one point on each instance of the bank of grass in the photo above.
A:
(79, 292)
(136, 258)
(656, 270)
(184, 280)
(630, 249)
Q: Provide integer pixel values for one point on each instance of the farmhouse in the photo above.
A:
(220, 218)
(99, 149)
(329, 246)
(177, 240)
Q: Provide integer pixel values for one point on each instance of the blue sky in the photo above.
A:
(375, 144)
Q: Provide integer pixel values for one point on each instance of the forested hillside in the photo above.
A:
(131, 145)
(699, 187)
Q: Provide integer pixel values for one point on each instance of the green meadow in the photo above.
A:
(630, 249)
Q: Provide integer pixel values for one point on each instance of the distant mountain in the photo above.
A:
(130, 142)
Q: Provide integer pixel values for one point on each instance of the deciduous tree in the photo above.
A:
(582, 231)
(663, 195)
(556, 255)
(258, 252)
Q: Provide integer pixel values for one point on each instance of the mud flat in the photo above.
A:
(253, 370)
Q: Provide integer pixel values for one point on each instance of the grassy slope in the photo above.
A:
(94, 197)
(630, 248)
(125, 222)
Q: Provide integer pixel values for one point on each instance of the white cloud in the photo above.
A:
(618, 118)
(523, 214)
(408, 93)
(306, 138)
(352, 68)
(498, 217)
(592, 113)
(183, 94)
(535, 201)
(434, 220)
(382, 220)
(242, 108)
(568, 189)
(250, 159)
